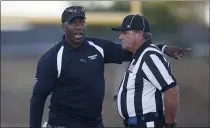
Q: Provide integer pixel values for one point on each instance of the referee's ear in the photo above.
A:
(147, 35)
(139, 35)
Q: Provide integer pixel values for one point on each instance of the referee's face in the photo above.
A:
(75, 30)
(129, 40)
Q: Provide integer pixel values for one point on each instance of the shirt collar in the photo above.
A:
(141, 49)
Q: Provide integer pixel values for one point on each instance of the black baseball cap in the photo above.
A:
(133, 22)
(72, 12)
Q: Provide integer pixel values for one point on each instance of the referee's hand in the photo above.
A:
(175, 52)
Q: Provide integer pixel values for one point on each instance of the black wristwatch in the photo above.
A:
(170, 125)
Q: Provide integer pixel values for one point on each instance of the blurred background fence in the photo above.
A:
(30, 28)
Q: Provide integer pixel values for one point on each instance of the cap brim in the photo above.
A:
(116, 29)
(75, 16)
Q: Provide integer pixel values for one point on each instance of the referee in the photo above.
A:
(148, 95)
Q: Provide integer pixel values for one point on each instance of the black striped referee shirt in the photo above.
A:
(144, 82)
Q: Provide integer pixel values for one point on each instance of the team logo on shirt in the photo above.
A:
(130, 68)
(82, 60)
(93, 57)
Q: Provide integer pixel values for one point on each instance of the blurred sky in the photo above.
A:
(55, 8)
(15, 17)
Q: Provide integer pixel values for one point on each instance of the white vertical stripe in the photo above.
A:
(120, 93)
(131, 92)
(97, 47)
(162, 69)
(59, 60)
(163, 102)
(150, 124)
(148, 97)
(130, 95)
(119, 99)
(150, 75)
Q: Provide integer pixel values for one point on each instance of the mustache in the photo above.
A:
(79, 32)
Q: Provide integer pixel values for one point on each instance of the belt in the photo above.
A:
(149, 116)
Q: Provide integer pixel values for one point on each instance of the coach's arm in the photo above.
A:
(45, 78)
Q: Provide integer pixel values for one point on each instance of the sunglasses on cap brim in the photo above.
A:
(75, 9)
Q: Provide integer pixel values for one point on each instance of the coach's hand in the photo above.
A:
(175, 52)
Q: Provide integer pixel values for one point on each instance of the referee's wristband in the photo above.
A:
(170, 125)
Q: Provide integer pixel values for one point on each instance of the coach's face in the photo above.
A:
(75, 30)
(129, 39)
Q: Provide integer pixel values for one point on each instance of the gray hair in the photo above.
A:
(147, 35)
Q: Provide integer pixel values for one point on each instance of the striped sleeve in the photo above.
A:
(158, 71)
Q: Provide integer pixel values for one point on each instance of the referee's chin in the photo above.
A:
(125, 47)
(128, 49)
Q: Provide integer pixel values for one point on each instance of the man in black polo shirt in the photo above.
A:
(148, 95)
(73, 73)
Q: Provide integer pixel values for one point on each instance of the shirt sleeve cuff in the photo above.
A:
(173, 84)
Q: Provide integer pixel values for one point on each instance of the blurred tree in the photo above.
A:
(99, 6)
(167, 15)
(167, 18)
(122, 6)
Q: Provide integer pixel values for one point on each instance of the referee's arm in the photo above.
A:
(157, 70)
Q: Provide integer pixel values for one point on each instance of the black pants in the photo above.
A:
(149, 120)
(76, 125)
(61, 122)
